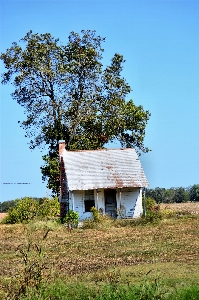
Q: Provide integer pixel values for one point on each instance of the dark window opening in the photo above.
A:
(89, 201)
(88, 205)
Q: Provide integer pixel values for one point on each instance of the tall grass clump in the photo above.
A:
(98, 220)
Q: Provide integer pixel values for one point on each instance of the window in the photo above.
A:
(89, 200)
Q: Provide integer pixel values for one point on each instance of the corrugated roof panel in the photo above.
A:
(109, 168)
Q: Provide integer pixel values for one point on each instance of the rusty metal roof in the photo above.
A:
(107, 168)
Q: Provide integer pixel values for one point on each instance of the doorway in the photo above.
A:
(110, 202)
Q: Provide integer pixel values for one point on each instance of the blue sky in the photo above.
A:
(160, 43)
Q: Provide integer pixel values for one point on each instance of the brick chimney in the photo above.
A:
(62, 147)
(63, 189)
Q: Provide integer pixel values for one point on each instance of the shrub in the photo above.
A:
(71, 219)
(24, 211)
(96, 214)
(49, 208)
(150, 203)
(152, 213)
(27, 209)
(93, 222)
(152, 217)
(168, 213)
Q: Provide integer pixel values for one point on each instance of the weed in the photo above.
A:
(33, 265)
(97, 216)
(100, 223)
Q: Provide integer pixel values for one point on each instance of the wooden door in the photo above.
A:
(110, 202)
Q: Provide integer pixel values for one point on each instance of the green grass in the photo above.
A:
(145, 291)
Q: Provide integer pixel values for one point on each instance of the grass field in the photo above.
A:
(192, 207)
(2, 215)
(168, 252)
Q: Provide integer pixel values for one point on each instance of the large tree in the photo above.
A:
(68, 94)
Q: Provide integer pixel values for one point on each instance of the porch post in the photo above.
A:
(73, 201)
(97, 198)
(120, 198)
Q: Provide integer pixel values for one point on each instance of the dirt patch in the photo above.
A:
(2, 215)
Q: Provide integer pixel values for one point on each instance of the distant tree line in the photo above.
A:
(174, 195)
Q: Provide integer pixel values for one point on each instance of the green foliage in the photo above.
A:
(49, 208)
(72, 218)
(68, 94)
(50, 171)
(150, 203)
(147, 290)
(96, 214)
(152, 214)
(186, 293)
(181, 195)
(97, 221)
(168, 213)
(152, 217)
(194, 192)
(27, 209)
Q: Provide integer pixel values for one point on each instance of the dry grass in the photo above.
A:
(2, 215)
(170, 249)
(192, 207)
(174, 242)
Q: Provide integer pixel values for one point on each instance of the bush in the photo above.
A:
(152, 213)
(24, 211)
(97, 216)
(71, 219)
(49, 208)
(150, 203)
(152, 217)
(27, 209)
(168, 213)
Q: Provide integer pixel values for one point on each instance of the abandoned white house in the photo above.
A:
(109, 179)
